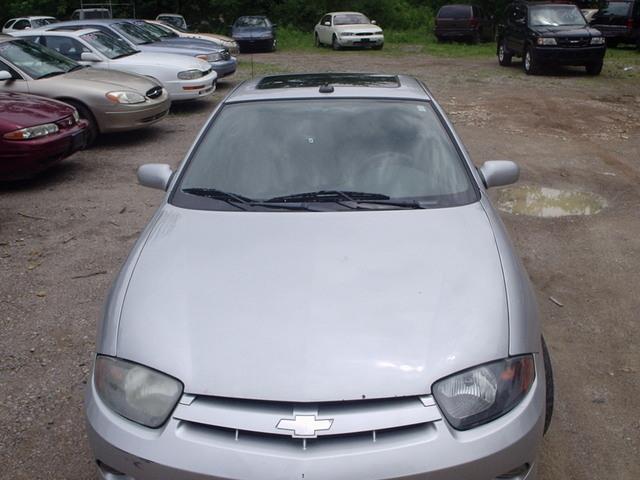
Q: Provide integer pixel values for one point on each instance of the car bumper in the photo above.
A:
(224, 68)
(23, 159)
(127, 451)
(181, 90)
(570, 56)
(255, 43)
(356, 41)
(121, 118)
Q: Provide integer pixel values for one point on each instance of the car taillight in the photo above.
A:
(474, 22)
(630, 24)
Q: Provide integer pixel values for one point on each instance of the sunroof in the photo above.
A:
(334, 79)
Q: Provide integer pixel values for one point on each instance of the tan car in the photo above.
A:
(110, 101)
(174, 31)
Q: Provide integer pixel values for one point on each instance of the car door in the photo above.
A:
(516, 29)
(324, 30)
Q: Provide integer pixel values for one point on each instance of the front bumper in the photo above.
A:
(246, 44)
(26, 158)
(435, 451)
(570, 56)
(181, 90)
(361, 41)
(225, 68)
(121, 118)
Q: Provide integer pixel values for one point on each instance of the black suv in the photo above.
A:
(544, 33)
(619, 22)
(463, 22)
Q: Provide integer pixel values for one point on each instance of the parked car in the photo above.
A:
(173, 19)
(110, 101)
(254, 33)
(36, 133)
(401, 339)
(463, 22)
(220, 40)
(184, 78)
(219, 58)
(619, 22)
(544, 33)
(26, 23)
(90, 13)
(348, 29)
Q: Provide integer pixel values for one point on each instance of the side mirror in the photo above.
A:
(373, 22)
(89, 57)
(155, 175)
(327, 24)
(4, 75)
(497, 173)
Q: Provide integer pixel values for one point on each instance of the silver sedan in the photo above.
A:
(325, 292)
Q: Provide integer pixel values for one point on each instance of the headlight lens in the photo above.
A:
(546, 41)
(211, 57)
(484, 393)
(125, 97)
(347, 34)
(597, 41)
(190, 74)
(30, 133)
(142, 395)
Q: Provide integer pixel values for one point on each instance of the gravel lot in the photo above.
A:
(64, 235)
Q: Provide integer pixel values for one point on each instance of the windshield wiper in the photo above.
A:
(77, 67)
(348, 199)
(239, 201)
(122, 55)
(52, 74)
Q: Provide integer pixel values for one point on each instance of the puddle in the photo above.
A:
(548, 202)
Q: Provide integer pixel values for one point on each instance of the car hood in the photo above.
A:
(20, 110)
(567, 31)
(248, 32)
(95, 78)
(315, 306)
(358, 28)
(185, 42)
(147, 59)
(162, 47)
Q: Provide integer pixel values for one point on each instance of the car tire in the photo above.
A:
(477, 37)
(529, 62)
(548, 378)
(274, 45)
(504, 57)
(316, 41)
(85, 114)
(594, 68)
(334, 43)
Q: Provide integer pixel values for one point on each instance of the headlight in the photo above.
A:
(125, 97)
(30, 133)
(347, 34)
(76, 116)
(190, 74)
(211, 57)
(546, 41)
(138, 393)
(484, 393)
(597, 41)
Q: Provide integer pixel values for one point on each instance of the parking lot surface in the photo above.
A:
(64, 235)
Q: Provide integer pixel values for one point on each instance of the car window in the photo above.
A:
(110, 46)
(75, 15)
(325, 19)
(252, 22)
(35, 60)
(456, 12)
(616, 9)
(555, 16)
(67, 46)
(159, 30)
(134, 33)
(306, 146)
(41, 22)
(9, 23)
(350, 19)
(22, 25)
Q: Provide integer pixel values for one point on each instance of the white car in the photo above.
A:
(184, 78)
(173, 31)
(348, 29)
(27, 23)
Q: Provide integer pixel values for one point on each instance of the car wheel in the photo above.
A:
(335, 44)
(529, 63)
(548, 378)
(504, 58)
(477, 37)
(594, 68)
(316, 41)
(273, 45)
(85, 114)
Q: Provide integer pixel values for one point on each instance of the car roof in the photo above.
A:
(170, 15)
(60, 33)
(344, 85)
(345, 13)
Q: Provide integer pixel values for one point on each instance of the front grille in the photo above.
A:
(155, 92)
(356, 423)
(364, 34)
(225, 55)
(573, 41)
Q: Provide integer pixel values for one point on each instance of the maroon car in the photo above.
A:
(36, 133)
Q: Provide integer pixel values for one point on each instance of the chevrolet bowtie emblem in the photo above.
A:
(304, 426)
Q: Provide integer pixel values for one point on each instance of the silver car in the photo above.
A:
(325, 292)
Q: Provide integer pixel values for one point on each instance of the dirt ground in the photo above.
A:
(64, 236)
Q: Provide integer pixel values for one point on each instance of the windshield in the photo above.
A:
(41, 22)
(35, 60)
(161, 30)
(176, 21)
(108, 45)
(375, 149)
(134, 33)
(252, 22)
(455, 12)
(556, 16)
(350, 19)
(615, 9)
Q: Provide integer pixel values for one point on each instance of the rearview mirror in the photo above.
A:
(4, 75)
(155, 175)
(497, 173)
(90, 57)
